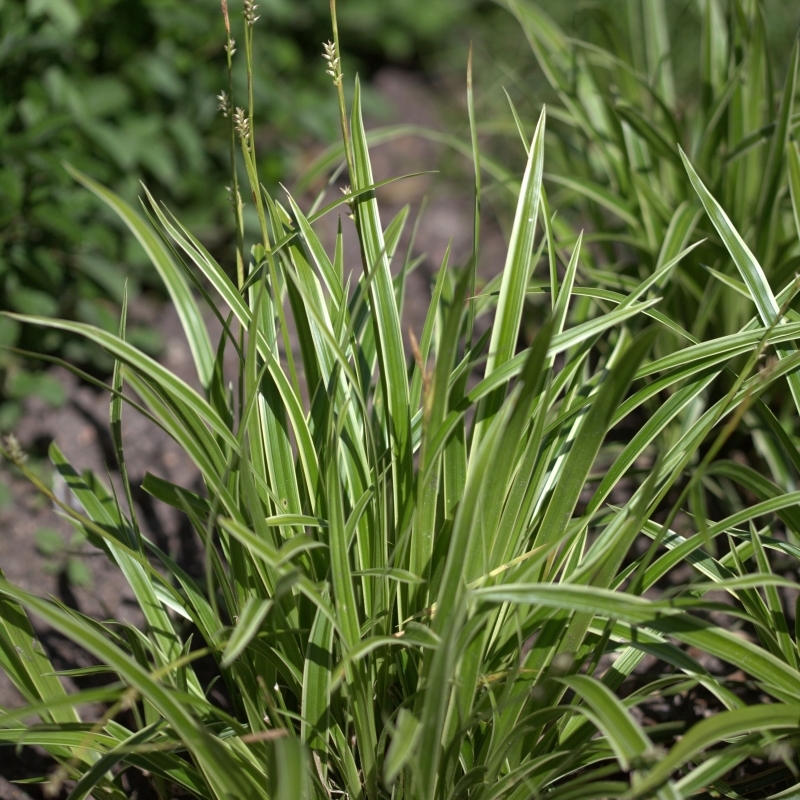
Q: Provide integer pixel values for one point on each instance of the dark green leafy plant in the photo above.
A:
(416, 585)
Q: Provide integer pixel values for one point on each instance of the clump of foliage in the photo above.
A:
(417, 585)
(624, 115)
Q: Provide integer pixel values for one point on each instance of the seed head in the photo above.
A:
(334, 66)
(345, 190)
(16, 454)
(236, 200)
(249, 11)
(242, 123)
(230, 49)
(224, 104)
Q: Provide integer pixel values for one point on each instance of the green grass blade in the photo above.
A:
(427, 331)
(649, 131)
(115, 420)
(423, 531)
(516, 273)
(384, 313)
(597, 194)
(775, 674)
(401, 748)
(315, 727)
(271, 557)
(627, 739)
(247, 627)
(725, 725)
(90, 779)
(749, 268)
(25, 662)
(221, 767)
(173, 279)
(496, 487)
(592, 433)
(657, 49)
(780, 140)
(348, 617)
(793, 155)
(476, 216)
(158, 620)
(565, 292)
(135, 358)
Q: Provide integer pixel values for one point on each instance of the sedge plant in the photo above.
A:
(626, 122)
(428, 574)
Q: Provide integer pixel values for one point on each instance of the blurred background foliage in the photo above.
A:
(126, 91)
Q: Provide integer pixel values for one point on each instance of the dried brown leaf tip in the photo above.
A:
(226, 17)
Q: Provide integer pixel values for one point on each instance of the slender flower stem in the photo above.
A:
(476, 232)
(339, 83)
(245, 129)
(236, 198)
(250, 21)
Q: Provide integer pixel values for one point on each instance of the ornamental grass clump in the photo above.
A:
(419, 585)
